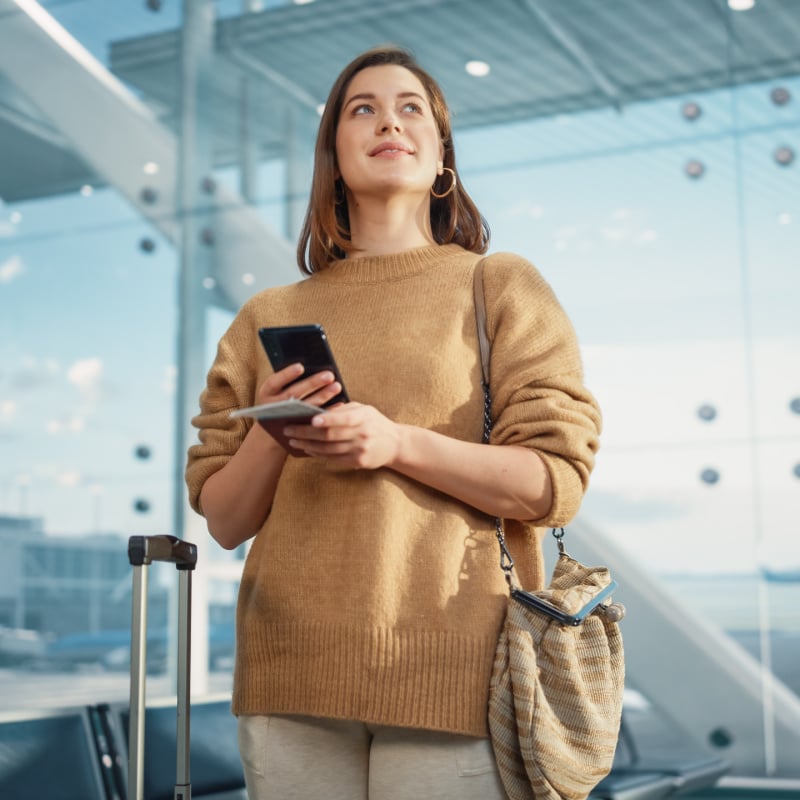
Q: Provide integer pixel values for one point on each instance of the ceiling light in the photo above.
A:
(478, 69)
(150, 168)
(741, 5)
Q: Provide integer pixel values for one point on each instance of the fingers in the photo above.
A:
(353, 434)
(316, 388)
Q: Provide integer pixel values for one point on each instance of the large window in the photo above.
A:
(669, 228)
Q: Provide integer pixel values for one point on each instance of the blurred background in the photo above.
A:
(155, 159)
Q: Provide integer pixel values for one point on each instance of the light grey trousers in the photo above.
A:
(304, 758)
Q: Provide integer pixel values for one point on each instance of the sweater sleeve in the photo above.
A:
(536, 378)
(231, 384)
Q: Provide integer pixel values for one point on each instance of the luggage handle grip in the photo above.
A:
(146, 549)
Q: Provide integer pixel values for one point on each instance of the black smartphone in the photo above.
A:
(304, 344)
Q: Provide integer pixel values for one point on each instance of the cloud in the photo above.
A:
(10, 269)
(86, 374)
(8, 409)
(69, 479)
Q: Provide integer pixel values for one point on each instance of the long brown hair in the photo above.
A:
(325, 236)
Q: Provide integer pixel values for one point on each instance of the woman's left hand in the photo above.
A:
(352, 434)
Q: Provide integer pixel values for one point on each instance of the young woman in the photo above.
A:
(372, 596)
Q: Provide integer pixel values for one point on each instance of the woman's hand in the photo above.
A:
(501, 480)
(351, 434)
(317, 389)
(236, 500)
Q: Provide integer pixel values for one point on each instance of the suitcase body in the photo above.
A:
(142, 552)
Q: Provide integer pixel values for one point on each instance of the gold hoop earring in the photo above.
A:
(452, 185)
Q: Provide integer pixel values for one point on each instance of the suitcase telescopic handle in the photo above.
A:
(146, 549)
(142, 551)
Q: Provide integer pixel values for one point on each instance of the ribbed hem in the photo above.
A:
(415, 679)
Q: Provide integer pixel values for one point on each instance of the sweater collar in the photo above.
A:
(395, 266)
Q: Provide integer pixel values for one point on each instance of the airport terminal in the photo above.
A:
(156, 159)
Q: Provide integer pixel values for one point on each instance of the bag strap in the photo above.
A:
(480, 319)
(506, 561)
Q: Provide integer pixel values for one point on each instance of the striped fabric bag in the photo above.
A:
(555, 697)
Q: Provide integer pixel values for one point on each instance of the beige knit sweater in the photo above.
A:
(367, 595)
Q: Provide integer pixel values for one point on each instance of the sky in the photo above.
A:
(683, 293)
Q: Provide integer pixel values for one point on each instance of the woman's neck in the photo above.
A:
(379, 226)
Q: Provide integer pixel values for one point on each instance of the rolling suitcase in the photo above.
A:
(142, 551)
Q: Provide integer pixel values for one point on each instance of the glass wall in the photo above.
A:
(670, 230)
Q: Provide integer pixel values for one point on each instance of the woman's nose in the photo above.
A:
(388, 121)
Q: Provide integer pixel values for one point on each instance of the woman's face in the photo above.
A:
(387, 141)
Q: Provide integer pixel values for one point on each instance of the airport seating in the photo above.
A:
(216, 771)
(53, 756)
(651, 777)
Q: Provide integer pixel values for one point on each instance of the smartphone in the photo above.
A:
(306, 344)
(538, 604)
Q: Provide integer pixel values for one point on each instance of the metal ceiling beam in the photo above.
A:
(254, 67)
(30, 125)
(578, 53)
(100, 118)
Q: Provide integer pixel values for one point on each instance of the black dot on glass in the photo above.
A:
(694, 169)
(709, 476)
(707, 412)
(720, 737)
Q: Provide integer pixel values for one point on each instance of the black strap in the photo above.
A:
(506, 561)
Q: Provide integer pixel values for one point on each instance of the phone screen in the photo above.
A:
(306, 344)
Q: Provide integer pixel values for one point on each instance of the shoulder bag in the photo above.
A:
(555, 700)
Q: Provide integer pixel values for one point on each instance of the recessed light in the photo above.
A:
(478, 69)
(741, 5)
(150, 168)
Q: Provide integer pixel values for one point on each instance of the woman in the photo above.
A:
(372, 598)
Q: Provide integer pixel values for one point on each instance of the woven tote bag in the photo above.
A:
(555, 696)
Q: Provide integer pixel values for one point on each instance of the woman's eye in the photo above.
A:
(412, 107)
(364, 108)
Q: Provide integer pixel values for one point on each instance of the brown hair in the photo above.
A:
(325, 236)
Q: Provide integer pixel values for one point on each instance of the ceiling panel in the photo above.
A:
(547, 57)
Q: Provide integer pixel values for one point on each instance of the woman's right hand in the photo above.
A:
(317, 388)
(236, 499)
